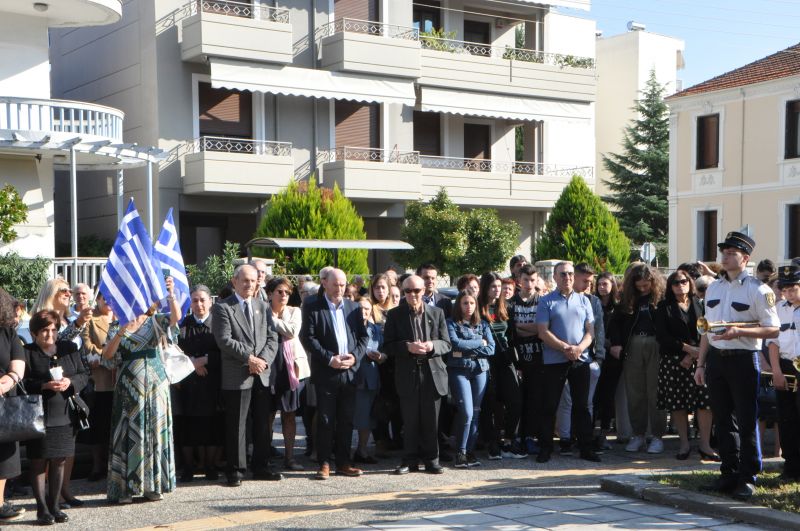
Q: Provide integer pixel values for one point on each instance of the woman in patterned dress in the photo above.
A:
(142, 457)
(676, 331)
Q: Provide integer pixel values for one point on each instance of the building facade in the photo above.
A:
(40, 135)
(388, 99)
(735, 161)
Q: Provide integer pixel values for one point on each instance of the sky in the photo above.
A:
(720, 35)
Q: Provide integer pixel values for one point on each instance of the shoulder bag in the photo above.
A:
(177, 365)
(78, 412)
(23, 417)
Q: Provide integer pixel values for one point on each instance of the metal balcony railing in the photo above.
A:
(374, 155)
(518, 168)
(241, 145)
(367, 27)
(61, 116)
(89, 270)
(239, 9)
(504, 52)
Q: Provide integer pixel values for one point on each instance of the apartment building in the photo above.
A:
(624, 63)
(40, 135)
(735, 160)
(388, 99)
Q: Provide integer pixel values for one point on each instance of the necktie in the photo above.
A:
(249, 317)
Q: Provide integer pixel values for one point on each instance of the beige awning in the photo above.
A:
(310, 83)
(503, 107)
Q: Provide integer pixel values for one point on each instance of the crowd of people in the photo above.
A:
(502, 370)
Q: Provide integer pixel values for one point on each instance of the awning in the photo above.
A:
(503, 107)
(310, 83)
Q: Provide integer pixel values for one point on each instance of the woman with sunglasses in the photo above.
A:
(679, 342)
(467, 367)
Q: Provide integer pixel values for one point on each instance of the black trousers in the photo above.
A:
(420, 407)
(502, 404)
(789, 422)
(733, 388)
(606, 392)
(532, 399)
(551, 379)
(237, 404)
(336, 402)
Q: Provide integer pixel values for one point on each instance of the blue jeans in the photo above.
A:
(467, 386)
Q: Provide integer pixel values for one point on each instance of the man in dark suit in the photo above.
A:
(430, 276)
(415, 335)
(335, 339)
(248, 342)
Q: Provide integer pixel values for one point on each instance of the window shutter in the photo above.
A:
(225, 112)
(357, 124)
(427, 133)
(708, 141)
(356, 9)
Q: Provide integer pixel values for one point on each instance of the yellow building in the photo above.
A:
(735, 160)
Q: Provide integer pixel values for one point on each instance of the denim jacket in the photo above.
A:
(468, 340)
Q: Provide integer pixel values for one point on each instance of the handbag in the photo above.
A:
(177, 365)
(78, 412)
(23, 417)
(508, 351)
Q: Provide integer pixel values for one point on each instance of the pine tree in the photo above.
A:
(306, 211)
(640, 174)
(582, 229)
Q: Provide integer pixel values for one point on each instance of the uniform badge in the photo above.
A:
(770, 299)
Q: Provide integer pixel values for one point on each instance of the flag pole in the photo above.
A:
(73, 186)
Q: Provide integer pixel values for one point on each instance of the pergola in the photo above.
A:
(335, 245)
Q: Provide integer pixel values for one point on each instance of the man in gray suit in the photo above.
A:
(248, 342)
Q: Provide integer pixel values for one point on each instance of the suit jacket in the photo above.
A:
(236, 342)
(318, 336)
(397, 334)
(672, 331)
(440, 301)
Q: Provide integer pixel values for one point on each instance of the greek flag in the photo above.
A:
(132, 281)
(168, 252)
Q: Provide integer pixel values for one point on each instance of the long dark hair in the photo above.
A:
(487, 279)
(458, 315)
(669, 296)
(614, 293)
(630, 294)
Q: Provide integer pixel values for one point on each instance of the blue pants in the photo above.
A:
(467, 385)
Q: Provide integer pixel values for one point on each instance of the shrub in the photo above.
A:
(23, 277)
(217, 270)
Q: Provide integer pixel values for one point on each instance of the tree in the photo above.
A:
(582, 229)
(23, 277)
(216, 271)
(454, 240)
(640, 174)
(13, 211)
(306, 211)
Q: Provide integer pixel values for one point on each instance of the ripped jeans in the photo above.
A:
(467, 386)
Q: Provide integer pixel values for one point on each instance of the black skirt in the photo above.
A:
(100, 417)
(9, 460)
(59, 441)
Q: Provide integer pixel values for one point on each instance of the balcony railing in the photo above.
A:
(374, 155)
(61, 116)
(519, 168)
(367, 27)
(504, 52)
(241, 145)
(239, 9)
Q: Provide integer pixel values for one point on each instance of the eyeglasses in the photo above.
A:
(283, 292)
(64, 290)
(415, 291)
(567, 274)
(681, 282)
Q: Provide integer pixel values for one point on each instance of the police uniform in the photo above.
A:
(787, 344)
(732, 368)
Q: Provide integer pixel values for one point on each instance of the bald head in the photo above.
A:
(245, 280)
(335, 283)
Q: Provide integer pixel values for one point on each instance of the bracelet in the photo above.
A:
(13, 379)
(170, 298)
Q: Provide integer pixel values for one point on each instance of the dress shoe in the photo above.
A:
(212, 475)
(721, 484)
(434, 468)
(60, 517)
(590, 455)
(324, 472)
(365, 459)
(348, 471)
(72, 501)
(544, 455)
(267, 475)
(709, 457)
(234, 481)
(683, 456)
(402, 470)
(743, 491)
(44, 518)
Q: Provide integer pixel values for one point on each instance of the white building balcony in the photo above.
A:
(374, 174)
(460, 66)
(237, 166)
(500, 184)
(235, 30)
(349, 45)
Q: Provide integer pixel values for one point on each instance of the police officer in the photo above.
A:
(782, 351)
(728, 363)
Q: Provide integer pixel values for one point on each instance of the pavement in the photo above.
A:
(508, 494)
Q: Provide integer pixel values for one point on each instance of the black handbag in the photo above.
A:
(504, 348)
(23, 417)
(78, 412)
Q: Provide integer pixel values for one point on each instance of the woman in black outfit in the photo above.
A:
(201, 424)
(607, 291)
(12, 369)
(46, 357)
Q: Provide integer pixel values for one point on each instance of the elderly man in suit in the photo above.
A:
(335, 339)
(415, 335)
(248, 342)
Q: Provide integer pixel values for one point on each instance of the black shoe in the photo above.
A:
(565, 447)
(544, 455)
(212, 475)
(60, 517)
(402, 470)
(234, 480)
(709, 457)
(743, 491)
(494, 452)
(445, 456)
(683, 456)
(721, 484)
(366, 459)
(461, 460)
(72, 502)
(44, 518)
(590, 455)
(513, 451)
(9, 512)
(472, 460)
(187, 477)
(274, 452)
(434, 469)
(267, 475)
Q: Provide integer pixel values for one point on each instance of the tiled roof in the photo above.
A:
(778, 65)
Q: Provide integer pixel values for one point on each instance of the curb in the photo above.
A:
(635, 486)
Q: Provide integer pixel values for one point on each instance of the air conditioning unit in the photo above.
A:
(635, 26)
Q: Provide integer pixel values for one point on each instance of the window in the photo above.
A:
(480, 33)
(792, 130)
(224, 112)
(478, 147)
(428, 133)
(792, 231)
(427, 15)
(707, 235)
(708, 141)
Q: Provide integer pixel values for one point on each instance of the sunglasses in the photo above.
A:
(415, 291)
(64, 290)
(681, 282)
(283, 292)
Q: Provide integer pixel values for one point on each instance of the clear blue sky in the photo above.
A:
(720, 35)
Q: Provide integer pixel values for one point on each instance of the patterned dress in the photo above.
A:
(141, 457)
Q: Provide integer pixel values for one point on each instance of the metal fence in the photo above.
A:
(488, 165)
(241, 145)
(374, 155)
(367, 27)
(504, 52)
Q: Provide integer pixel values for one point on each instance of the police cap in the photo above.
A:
(737, 240)
(788, 275)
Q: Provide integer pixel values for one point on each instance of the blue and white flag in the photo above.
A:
(168, 252)
(132, 280)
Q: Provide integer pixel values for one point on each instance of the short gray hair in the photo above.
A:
(201, 287)
(563, 263)
(324, 272)
(241, 268)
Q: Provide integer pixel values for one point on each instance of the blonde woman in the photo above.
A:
(380, 298)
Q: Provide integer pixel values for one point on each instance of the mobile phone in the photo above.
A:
(165, 271)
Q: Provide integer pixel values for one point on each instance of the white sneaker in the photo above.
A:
(635, 444)
(656, 446)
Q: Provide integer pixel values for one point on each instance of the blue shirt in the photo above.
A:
(339, 326)
(567, 318)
